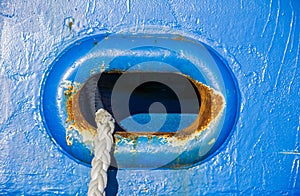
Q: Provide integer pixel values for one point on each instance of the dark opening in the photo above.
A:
(141, 97)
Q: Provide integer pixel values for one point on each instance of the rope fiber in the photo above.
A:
(102, 147)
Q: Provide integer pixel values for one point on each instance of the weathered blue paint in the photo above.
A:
(260, 42)
(138, 52)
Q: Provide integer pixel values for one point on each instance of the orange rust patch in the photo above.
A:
(68, 93)
(79, 121)
(69, 90)
(70, 111)
(178, 38)
(69, 142)
(212, 104)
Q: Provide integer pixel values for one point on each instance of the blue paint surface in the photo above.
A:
(82, 62)
(173, 120)
(260, 42)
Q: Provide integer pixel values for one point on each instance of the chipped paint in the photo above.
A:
(212, 141)
(212, 104)
(200, 63)
(32, 34)
(73, 121)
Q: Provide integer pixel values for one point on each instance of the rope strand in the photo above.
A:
(102, 146)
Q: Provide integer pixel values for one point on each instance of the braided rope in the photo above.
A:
(102, 145)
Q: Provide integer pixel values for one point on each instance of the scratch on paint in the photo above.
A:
(295, 67)
(297, 135)
(128, 4)
(294, 173)
(290, 152)
(268, 19)
(294, 27)
(272, 40)
(241, 2)
(285, 49)
(90, 7)
(93, 7)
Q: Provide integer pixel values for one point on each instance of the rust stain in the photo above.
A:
(68, 93)
(70, 89)
(70, 25)
(178, 38)
(212, 104)
(70, 110)
(79, 121)
(69, 142)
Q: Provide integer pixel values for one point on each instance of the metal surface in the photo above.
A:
(260, 42)
(76, 72)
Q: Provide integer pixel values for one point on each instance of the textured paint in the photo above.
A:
(260, 41)
(69, 102)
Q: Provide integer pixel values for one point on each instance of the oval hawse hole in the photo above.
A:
(97, 91)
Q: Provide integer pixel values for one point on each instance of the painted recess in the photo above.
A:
(144, 53)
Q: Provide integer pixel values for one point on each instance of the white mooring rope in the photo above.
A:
(102, 146)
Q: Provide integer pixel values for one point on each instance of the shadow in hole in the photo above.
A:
(112, 182)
